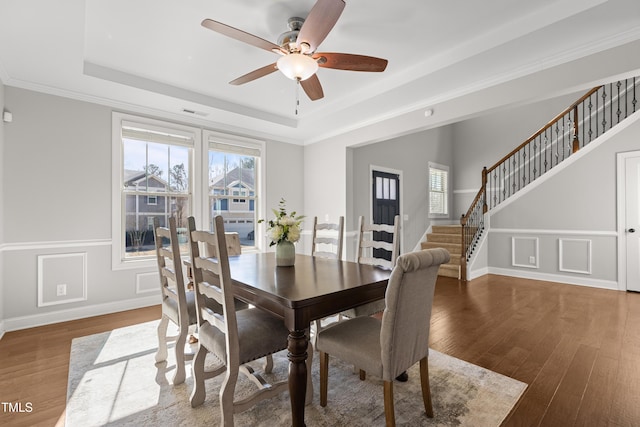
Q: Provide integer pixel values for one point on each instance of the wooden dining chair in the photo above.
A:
(236, 337)
(178, 305)
(326, 242)
(386, 347)
(327, 239)
(374, 248)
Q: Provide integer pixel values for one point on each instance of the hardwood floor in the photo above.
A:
(34, 365)
(577, 348)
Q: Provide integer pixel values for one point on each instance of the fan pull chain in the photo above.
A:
(297, 95)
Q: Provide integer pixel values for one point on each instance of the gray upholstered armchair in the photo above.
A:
(385, 348)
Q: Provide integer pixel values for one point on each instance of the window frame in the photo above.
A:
(118, 258)
(445, 169)
(239, 145)
(198, 165)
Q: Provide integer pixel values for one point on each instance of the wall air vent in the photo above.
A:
(194, 112)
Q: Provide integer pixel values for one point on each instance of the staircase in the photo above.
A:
(596, 112)
(448, 237)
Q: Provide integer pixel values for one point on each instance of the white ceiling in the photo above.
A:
(154, 56)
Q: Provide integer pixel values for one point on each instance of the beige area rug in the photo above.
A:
(113, 380)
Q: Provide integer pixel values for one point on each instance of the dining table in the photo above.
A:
(313, 288)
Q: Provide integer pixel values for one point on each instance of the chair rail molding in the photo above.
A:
(62, 244)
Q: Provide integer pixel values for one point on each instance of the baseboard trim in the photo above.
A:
(546, 277)
(2, 330)
(32, 321)
(478, 273)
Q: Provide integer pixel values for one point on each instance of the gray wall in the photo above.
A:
(409, 154)
(57, 155)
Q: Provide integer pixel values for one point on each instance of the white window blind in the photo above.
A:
(438, 190)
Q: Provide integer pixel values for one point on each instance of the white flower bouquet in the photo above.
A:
(285, 227)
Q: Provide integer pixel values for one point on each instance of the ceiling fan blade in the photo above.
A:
(321, 19)
(240, 35)
(255, 74)
(350, 62)
(313, 88)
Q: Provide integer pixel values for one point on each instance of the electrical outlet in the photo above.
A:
(532, 260)
(61, 290)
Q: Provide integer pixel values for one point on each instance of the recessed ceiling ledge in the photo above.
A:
(116, 76)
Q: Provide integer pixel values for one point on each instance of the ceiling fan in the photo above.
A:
(299, 60)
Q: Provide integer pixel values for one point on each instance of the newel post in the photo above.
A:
(463, 256)
(576, 142)
(485, 208)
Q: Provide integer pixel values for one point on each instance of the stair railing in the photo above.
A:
(596, 112)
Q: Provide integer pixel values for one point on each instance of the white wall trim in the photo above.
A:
(42, 282)
(24, 322)
(2, 329)
(466, 191)
(140, 277)
(557, 278)
(29, 246)
(418, 245)
(561, 256)
(555, 232)
(536, 249)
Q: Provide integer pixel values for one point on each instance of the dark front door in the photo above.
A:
(386, 205)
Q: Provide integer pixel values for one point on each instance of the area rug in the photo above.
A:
(114, 381)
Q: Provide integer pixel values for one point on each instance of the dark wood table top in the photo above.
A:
(311, 289)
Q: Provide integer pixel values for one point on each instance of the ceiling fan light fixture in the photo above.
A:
(297, 66)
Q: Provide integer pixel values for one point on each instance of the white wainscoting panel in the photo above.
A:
(147, 283)
(66, 271)
(524, 252)
(574, 255)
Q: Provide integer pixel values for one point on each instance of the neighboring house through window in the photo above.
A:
(234, 177)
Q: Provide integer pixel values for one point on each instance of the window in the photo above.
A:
(438, 191)
(156, 170)
(155, 179)
(165, 170)
(386, 188)
(234, 184)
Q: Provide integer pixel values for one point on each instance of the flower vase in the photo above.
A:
(285, 254)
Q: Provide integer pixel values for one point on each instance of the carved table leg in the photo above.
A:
(297, 347)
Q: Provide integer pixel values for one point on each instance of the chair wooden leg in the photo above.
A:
(389, 413)
(161, 354)
(198, 393)
(227, 391)
(181, 341)
(324, 377)
(426, 390)
(363, 375)
(268, 364)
